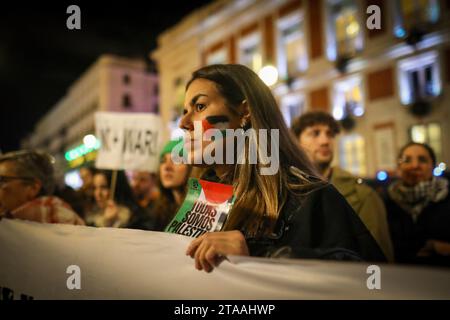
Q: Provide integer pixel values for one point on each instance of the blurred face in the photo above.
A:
(101, 190)
(15, 192)
(172, 175)
(203, 104)
(142, 183)
(415, 165)
(86, 177)
(318, 142)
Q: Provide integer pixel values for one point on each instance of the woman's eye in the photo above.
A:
(200, 107)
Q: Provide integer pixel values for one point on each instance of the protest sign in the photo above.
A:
(205, 208)
(55, 261)
(129, 141)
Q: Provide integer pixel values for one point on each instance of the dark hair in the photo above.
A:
(423, 145)
(34, 165)
(123, 194)
(313, 118)
(92, 170)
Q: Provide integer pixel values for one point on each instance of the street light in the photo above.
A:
(90, 141)
(269, 75)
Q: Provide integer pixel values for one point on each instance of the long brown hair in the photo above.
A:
(260, 198)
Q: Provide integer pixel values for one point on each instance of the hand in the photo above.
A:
(210, 249)
(435, 247)
(111, 211)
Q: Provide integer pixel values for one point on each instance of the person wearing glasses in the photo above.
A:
(26, 187)
(418, 207)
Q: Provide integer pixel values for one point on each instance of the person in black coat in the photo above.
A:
(418, 207)
(281, 202)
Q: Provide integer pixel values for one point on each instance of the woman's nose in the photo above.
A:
(186, 122)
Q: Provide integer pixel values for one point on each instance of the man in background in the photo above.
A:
(316, 132)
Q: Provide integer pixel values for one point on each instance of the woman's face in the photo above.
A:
(415, 165)
(172, 175)
(101, 190)
(205, 107)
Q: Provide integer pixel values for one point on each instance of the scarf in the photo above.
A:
(414, 199)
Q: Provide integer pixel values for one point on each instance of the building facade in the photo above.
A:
(380, 67)
(111, 84)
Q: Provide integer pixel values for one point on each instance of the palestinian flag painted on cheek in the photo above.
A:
(205, 208)
(220, 122)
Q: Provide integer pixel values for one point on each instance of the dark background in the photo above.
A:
(40, 58)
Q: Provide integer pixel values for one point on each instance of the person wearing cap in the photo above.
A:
(26, 187)
(172, 182)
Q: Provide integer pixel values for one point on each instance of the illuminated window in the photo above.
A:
(409, 13)
(217, 57)
(292, 55)
(430, 134)
(292, 106)
(344, 32)
(348, 98)
(419, 78)
(352, 155)
(250, 51)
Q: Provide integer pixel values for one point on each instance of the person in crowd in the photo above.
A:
(418, 206)
(316, 132)
(172, 183)
(292, 212)
(143, 185)
(86, 192)
(26, 187)
(120, 210)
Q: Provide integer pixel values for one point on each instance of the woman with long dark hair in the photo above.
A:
(291, 212)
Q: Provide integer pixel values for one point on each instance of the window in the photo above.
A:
(126, 101)
(126, 79)
(417, 13)
(344, 31)
(348, 98)
(352, 156)
(250, 51)
(428, 133)
(217, 57)
(291, 47)
(419, 78)
(292, 106)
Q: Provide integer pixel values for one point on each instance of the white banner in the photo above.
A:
(129, 141)
(45, 261)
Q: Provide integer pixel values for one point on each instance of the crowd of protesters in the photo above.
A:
(308, 209)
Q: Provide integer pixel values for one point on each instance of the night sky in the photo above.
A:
(40, 58)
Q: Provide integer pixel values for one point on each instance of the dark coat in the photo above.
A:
(408, 237)
(320, 225)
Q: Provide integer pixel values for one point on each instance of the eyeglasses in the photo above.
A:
(408, 160)
(5, 179)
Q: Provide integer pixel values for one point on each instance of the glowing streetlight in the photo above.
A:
(90, 141)
(269, 75)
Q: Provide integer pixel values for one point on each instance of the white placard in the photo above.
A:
(129, 141)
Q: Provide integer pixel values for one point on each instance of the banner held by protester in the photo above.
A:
(45, 261)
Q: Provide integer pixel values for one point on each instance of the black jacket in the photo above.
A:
(321, 225)
(408, 237)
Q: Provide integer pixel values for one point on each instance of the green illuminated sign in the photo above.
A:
(80, 151)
